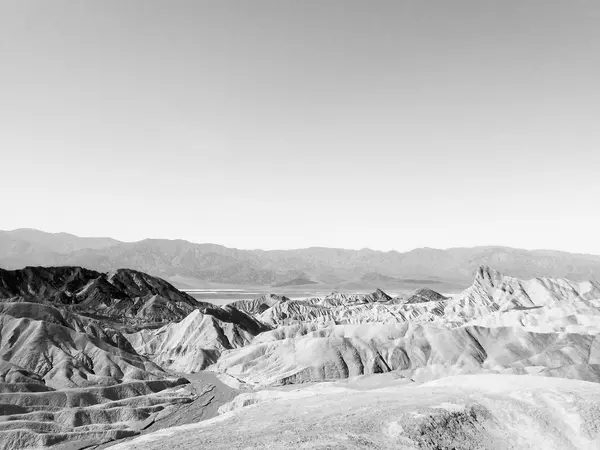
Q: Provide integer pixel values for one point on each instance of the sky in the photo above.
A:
(288, 124)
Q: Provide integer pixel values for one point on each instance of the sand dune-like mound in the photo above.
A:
(124, 295)
(198, 340)
(463, 412)
(307, 353)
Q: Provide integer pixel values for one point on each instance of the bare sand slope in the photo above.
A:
(306, 353)
(198, 340)
(463, 412)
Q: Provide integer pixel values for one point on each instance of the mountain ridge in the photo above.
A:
(123, 295)
(186, 263)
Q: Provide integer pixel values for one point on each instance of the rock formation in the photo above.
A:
(125, 296)
(84, 355)
(64, 376)
(427, 335)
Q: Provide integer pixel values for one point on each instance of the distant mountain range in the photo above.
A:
(186, 264)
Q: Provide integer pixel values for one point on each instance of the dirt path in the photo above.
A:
(212, 394)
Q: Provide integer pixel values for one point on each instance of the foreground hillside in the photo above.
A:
(195, 265)
(464, 412)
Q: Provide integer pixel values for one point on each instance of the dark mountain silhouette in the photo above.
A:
(124, 295)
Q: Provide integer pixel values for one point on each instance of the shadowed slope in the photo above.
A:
(124, 295)
(64, 377)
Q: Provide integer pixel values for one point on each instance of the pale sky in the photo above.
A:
(286, 124)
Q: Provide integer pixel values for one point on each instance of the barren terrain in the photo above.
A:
(88, 360)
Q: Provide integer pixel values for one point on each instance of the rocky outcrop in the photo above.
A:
(124, 295)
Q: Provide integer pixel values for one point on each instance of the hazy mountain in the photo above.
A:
(184, 262)
(301, 281)
(26, 246)
(58, 242)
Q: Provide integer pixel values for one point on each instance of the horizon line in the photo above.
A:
(489, 246)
